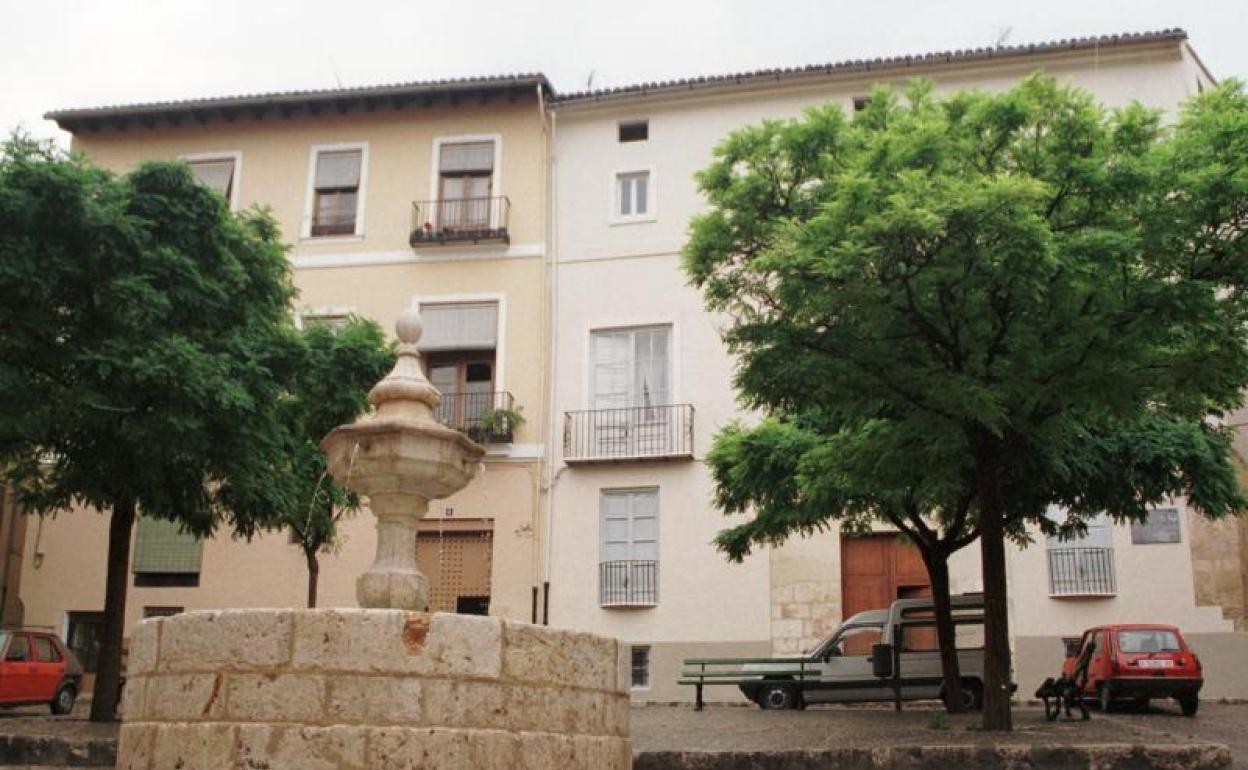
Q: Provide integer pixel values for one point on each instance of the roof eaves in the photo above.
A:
(879, 63)
(290, 100)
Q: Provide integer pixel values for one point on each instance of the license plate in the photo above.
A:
(1155, 663)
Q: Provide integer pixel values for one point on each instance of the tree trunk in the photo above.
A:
(108, 672)
(997, 694)
(314, 575)
(938, 572)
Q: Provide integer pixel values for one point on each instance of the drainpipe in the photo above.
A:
(546, 536)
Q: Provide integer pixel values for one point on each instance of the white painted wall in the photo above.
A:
(629, 274)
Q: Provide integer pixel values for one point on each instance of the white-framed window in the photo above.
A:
(467, 180)
(640, 659)
(1082, 566)
(631, 367)
(629, 547)
(337, 181)
(218, 171)
(633, 196)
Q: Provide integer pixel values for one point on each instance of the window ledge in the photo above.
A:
(638, 220)
(1085, 595)
(331, 238)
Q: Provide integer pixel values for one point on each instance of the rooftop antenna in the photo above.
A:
(589, 81)
(334, 66)
(1003, 34)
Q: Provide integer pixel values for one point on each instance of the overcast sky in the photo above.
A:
(76, 53)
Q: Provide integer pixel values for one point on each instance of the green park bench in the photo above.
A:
(705, 672)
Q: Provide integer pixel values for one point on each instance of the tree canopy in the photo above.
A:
(146, 351)
(1022, 296)
(330, 388)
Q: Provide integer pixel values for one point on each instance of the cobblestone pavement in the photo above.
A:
(727, 728)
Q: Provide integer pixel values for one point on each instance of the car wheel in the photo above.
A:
(63, 703)
(1105, 696)
(777, 697)
(1189, 704)
(973, 695)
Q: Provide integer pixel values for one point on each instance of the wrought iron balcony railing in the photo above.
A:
(460, 220)
(485, 416)
(632, 433)
(628, 583)
(1082, 572)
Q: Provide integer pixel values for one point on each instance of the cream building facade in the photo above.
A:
(428, 193)
(642, 383)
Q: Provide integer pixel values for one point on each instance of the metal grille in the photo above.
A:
(628, 434)
(628, 583)
(476, 414)
(456, 220)
(458, 565)
(1081, 572)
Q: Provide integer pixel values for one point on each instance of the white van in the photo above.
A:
(856, 663)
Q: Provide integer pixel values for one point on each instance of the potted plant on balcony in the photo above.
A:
(497, 425)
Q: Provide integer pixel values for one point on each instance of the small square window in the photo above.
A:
(860, 103)
(632, 194)
(641, 667)
(635, 131)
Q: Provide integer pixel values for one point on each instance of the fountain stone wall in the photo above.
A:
(375, 689)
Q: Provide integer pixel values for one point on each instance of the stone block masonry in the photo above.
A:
(379, 689)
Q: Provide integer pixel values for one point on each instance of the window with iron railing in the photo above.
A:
(633, 416)
(628, 573)
(1084, 565)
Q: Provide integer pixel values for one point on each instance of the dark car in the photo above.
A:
(37, 667)
(1139, 662)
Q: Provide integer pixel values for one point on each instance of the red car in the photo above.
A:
(1138, 662)
(37, 668)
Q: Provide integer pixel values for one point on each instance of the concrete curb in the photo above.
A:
(50, 750)
(1090, 757)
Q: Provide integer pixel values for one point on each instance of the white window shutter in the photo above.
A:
(338, 169)
(460, 326)
(466, 157)
(215, 174)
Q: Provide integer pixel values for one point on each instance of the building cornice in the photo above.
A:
(288, 104)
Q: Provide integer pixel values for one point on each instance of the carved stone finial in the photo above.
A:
(405, 390)
(409, 327)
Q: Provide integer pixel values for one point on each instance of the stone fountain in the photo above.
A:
(388, 686)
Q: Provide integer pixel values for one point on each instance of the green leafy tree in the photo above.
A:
(1022, 283)
(143, 359)
(330, 388)
(796, 477)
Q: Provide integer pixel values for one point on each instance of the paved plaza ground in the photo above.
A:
(732, 728)
(723, 728)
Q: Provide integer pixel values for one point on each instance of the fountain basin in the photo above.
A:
(423, 459)
(350, 689)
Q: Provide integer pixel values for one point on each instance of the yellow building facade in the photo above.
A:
(427, 193)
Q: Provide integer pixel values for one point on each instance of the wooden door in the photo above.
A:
(457, 559)
(878, 569)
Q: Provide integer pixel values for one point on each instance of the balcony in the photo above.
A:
(487, 417)
(1081, 572)
(460, 220)
(630, 434)
(628, 583)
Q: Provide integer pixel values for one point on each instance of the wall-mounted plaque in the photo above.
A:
(1162, 526)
